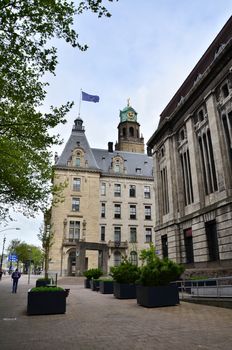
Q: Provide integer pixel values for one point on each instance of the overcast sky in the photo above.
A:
(143, 52)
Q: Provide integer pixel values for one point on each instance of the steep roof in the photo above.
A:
(133, 162)
(77, 139)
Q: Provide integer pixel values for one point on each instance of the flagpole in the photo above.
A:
(79, 113)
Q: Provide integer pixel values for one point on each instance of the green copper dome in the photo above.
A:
(128, 114)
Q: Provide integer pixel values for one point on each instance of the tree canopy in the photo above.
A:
(26, 30)
(26, 253)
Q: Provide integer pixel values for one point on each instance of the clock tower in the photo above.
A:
(129, 139)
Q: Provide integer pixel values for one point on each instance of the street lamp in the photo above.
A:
(4, 240)
(29, 269)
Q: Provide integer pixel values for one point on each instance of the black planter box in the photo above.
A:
(106, 287)
(94, 285)
(124, 290)
(87, 283)
(42, 283)
(45, 303)
(157, 296)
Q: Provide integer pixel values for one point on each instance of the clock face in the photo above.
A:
(130, 115)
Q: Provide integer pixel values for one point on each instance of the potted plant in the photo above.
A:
(154, 287)
(106, 285)
(124, 277)
(92, 274)
(46, 300)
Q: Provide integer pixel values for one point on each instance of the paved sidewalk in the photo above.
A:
(99, 321)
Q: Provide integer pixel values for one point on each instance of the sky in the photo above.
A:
(144, 52)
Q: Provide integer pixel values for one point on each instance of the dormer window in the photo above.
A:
(117, 164)
(78, 161)
(116, 168)
(77, 158)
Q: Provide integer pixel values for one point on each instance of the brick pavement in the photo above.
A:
(99, 321)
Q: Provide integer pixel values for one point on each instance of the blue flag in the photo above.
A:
(89, 98)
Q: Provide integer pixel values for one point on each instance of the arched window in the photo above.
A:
(124, 132)
(117, 258)
(131, 131)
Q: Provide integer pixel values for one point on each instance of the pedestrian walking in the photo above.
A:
(15, 276)
(1, 272)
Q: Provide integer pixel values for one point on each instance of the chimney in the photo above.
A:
(110, 147)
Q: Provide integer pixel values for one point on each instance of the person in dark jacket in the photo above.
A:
(15, 276)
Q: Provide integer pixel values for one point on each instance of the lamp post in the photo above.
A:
(4, 241)
(3, 246)
(29, 270)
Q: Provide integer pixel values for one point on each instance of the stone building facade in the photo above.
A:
(108, 201)
(192, 152)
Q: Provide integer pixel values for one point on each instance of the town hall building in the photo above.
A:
(108, 207)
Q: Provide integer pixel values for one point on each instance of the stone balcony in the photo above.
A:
(118, 244)
(71, 241)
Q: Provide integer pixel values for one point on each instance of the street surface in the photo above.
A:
(99, 321)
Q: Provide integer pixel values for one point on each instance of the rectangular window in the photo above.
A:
(188, 242)
(164, 241)
(103, 232)
(117, 190)
(74, 230)
(132, 191)
(212, 240)
(132, 211)
(117, 234)
(208, 164)
(147, 193)
(103, 210)
(103, 189)
(147, 210)
(148, 235)
(76, 184)
(164, 191)
(187, 177)
(117, 211)
(75, 204)
(133, 235)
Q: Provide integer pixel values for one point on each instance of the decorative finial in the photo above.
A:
(128, 102)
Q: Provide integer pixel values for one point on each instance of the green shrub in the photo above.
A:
(93, 273)
(156, 271)
(106, 279)
(126, 272)
(46, 289)
(44, 279)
